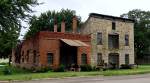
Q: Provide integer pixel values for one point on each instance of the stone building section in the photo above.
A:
(112, 30)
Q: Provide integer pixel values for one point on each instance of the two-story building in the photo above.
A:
(102, 39)
(112, 39)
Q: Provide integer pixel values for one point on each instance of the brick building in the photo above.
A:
(102, 39)
(54, 48)
(112, 39)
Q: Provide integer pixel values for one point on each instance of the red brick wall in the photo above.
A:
(45, 41)
(59, 35)
(82, 50)
(30, 44)
(49, 45)
(50, 42)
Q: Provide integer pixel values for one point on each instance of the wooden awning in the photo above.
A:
(74, 42)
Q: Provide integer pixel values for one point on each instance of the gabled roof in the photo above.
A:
(109, 17)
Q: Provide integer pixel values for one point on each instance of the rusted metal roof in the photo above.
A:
(74, 42)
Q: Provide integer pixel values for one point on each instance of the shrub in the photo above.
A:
(86, 68)
(61, 68)
(7, 71)
(43, 69)
(96, 68)
(127, 66)
(112, 66)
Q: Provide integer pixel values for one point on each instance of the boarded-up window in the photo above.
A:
(113, 25)
(99, 38)
(84, 59)
(126, 58)
(50, 58)
(126, 40)
(99, 59)
(34, 56)
(113, 41)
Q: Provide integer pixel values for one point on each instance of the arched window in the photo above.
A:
(50, 58)
(126, 40)
(99, 38)
(22, 56)
(99, 59)
(83, 59)
(113, 26)
(34, 56)
(27, 58)
(126, 58)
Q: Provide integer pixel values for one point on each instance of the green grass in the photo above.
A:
(13, 70)
(19, 74)
(48, 75)
(142, 69)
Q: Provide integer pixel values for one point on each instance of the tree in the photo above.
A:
(12, 13)
(46, 21)
(141, 30)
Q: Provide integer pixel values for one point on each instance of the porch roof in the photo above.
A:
(74, 42)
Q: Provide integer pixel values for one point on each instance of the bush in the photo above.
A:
(113, 66)
(42, 70)
(127, 66)
(96, 68)
(7, 71)
(86, 68)
(60, 69)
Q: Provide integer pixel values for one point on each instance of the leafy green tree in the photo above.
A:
(46, 21)
(12, 13)
(141, 30)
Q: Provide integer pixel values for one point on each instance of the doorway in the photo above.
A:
(68, 55)
(114, 60)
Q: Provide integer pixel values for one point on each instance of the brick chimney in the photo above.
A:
(55, 25)
(63, 26)
(74, 24)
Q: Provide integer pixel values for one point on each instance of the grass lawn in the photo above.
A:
(25, 75)
(48, 75)
(142, 69)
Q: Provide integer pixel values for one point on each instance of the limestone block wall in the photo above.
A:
(104, 26)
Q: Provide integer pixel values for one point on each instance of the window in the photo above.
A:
(113, 25)
(27, 58)
(22, 59)
(34, 56)
(16, 58)
(113, 41)
(84, 59)
(50, 58)
(126, 40)
(99, 38)
(99, 59)
(23, 56)
(126, 58)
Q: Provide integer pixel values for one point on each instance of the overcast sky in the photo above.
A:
(84, 7)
